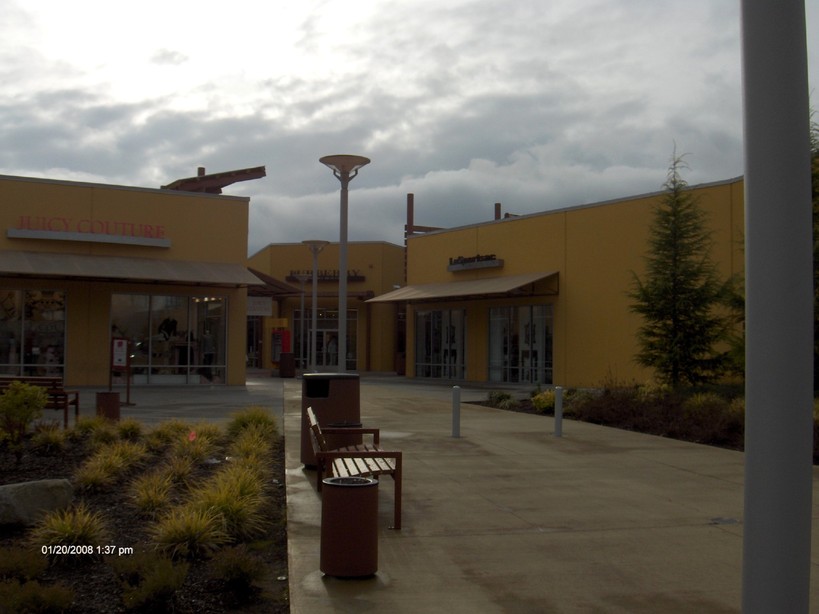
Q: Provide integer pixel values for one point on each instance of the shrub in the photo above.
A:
(109, 463)
(544, 401)
(72, 527)
(129, 429)
(177, 468)
(20, 405)
(253, 442)
(167, 432)
(238, 569)
(237, 498)
(187, 532)
(194, 447)
(33, 598)
(149, 582)
(49, 440)
(251, 416)
(501, 400)
(88, 424)
(99, 472)
(151, 493)
(706, 416)
(21, 563)
(210, 431)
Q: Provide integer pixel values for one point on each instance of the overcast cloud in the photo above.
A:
(464, 103)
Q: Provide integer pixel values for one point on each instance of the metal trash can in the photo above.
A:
(108, 405)
(335, 398)
(349, 527)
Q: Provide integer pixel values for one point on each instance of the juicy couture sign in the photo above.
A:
(90, 230)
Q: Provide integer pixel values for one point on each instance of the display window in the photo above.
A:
(173, 339)
(439, 343)
(520, 344)
(325, 338)
(32, 332)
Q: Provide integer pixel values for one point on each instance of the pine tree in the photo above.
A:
(681, 297)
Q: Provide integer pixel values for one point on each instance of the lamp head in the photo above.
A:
(316, 245)
(344, 164)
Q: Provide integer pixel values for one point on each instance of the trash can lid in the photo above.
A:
(349, 481)
(331, 376)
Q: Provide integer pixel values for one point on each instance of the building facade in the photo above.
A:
(542, 298)
(101, 282)
(375, 332)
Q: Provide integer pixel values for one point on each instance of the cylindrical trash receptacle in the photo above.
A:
(108, 405)
(287, 365)
(335, 398)
(349, 527)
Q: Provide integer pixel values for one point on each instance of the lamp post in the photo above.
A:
(315, 247)
(345, 167)
(302, 277)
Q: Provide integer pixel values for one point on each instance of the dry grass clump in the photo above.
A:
(77, 526)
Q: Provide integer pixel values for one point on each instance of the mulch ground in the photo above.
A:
(95, 584)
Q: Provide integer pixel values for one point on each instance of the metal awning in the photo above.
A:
(114, 268)
(473, 288)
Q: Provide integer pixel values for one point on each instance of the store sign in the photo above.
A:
(324, 275)
(480, 261)
(260, 306)
(58, 228)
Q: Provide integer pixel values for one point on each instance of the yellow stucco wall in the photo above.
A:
(201, 228)
(595, 249)
(382, 266)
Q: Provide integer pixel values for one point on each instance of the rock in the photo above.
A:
(25, 502)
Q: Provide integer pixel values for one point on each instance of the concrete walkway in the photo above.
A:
(508, 518)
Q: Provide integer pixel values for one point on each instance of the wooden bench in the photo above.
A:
(360, 460)
(58, 397)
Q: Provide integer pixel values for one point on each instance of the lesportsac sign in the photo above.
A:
(479, 261)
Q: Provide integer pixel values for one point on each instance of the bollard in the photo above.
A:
(456, 411)
(558, 411)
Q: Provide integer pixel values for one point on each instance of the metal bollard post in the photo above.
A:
(558, 411)
(456, 411)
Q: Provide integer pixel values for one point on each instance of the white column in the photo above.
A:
(779, 309)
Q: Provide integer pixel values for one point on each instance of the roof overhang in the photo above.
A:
(526, 284)
(115, 268)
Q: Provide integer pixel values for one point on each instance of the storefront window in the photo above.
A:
(174, 339)
(326, 337)
(520, 344)
(32, 332)
(439, 344)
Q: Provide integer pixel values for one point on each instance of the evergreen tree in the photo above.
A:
(681, 296)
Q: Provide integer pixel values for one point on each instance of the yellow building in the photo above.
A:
(85, 266)
(542, 298)
(375, 332)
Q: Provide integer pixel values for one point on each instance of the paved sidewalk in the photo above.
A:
(508, 518)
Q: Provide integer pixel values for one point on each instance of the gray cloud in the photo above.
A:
(535, 105)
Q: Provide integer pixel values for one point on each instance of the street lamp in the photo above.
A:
(315, 247)
(302, 277)
(345, 167)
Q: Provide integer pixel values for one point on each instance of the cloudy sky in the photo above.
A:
(464, 103)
